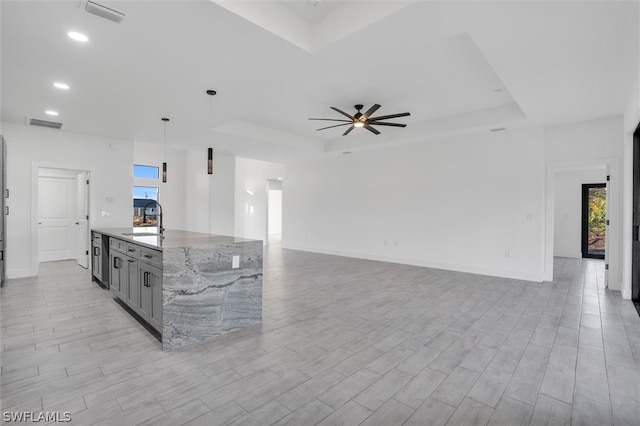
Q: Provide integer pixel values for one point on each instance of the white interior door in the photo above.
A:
(56, 218)
(82, 220)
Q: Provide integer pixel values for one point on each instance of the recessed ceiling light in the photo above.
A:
(498, 129)
(498, 90)
(63, 86)
(77, 36)
(50, 112)
(279, 178)
(346, 152)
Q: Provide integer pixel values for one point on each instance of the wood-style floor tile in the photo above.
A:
(343, 341)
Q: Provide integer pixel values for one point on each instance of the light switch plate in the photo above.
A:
(235, 262)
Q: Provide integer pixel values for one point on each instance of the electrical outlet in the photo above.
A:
(235, 262)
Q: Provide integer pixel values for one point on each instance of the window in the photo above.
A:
(147, 172)
(144, 206)
(145, 197)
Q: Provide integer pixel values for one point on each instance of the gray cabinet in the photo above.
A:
(123, 269)
(132, 296)
(131, 291)
(117, 278)
(100, 258)
(136, 279)
(96, 260)
(151, 294)
(5, 209)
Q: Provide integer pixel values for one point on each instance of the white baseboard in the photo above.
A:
(526, 276)
(626, 293)
(20, 273)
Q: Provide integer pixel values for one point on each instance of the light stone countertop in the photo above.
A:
(172, 238)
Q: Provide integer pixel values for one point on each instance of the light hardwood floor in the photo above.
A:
(343, 341)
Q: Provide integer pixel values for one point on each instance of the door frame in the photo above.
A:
(635, 224)
(276, 185)
(614, 231)
(35, 192)
(584, 241)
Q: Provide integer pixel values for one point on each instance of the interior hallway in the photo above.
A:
(343, 341)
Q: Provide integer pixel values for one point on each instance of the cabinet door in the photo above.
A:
(96, 261)
(133, 282)
(151, 294)
(129, 288)
(155, 316)
(115, 266)
(145, 291)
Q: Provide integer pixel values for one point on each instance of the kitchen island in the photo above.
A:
(188, 286)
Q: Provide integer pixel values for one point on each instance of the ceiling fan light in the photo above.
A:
(358, 124)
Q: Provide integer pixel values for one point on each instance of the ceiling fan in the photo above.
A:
(365, 120)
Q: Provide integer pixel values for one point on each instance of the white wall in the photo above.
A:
(586, 145)
(222, 194)
(471, 204)
(196, 192)
(171, 194)
(251, 196)
(28, 148)
(192, 199)
(568, 210)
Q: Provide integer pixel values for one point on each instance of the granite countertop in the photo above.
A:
(172, 238)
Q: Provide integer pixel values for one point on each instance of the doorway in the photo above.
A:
(274, 212)
(63, 215)
(594, 220)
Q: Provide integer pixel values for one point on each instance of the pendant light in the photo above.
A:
(164, 163)
(211, 93)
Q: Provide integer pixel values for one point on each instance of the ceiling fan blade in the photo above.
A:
(330, 119)
(348, 130)
(384, 117)
(342, 112)
(379, 123)
(371, 129)
(337, 125)
(370, 111)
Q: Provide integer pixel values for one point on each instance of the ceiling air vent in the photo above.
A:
(104, 12)
(43, 123)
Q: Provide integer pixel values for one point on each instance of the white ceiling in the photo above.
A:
(457, 67)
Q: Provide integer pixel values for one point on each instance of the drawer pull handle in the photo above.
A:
(147, 256)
